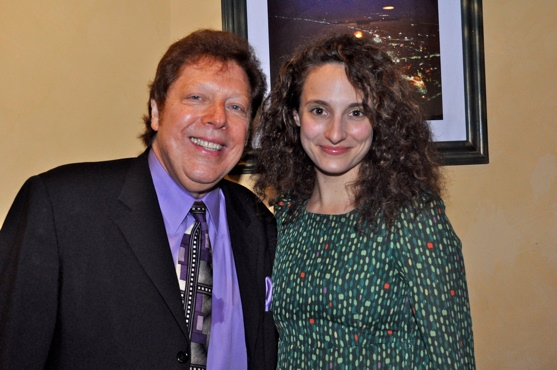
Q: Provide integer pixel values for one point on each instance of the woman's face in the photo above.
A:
(334, 131)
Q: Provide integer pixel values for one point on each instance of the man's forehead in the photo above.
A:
(220, 66)
(207, 61)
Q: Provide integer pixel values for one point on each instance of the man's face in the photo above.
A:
(202, 129)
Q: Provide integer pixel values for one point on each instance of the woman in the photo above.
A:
(368, 272)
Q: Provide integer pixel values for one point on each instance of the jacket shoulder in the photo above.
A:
(88, 186)
(239, 195)
(86, 170)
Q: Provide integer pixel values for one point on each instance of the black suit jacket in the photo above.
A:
(87, 278)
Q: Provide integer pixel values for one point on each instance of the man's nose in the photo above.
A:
(215, 115)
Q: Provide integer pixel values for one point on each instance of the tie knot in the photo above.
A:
(198, 211)
(198, 207)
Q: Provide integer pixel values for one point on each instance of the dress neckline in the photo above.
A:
(327, 214)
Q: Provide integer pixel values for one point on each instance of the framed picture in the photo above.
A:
(439, 43)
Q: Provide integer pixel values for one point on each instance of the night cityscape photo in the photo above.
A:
(407, 29)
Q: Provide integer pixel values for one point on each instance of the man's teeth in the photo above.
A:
(206, 144)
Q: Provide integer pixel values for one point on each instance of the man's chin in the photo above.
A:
(204, 179)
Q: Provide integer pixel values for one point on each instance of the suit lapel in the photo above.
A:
(140, 221)
(246, 258)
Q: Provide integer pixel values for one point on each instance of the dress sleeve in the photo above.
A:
(29, 271)
(432, 263)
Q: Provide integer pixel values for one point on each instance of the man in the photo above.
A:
(94, 256)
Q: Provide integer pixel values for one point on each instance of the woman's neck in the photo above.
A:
(331, 195)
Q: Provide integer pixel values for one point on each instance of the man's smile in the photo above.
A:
(206, 144)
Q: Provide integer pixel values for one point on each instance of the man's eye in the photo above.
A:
(238, 108)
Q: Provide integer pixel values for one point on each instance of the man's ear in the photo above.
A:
(154, 115)
(296, 118)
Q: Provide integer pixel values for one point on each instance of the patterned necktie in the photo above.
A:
(196, 283)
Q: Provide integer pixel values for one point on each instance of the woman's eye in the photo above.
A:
(318, 111)
(357, 113)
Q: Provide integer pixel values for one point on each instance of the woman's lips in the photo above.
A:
(334, 150)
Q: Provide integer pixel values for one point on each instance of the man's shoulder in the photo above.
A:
(88, 178)
(235, 192)
(240, 196)
(232, 187)
(100, 168)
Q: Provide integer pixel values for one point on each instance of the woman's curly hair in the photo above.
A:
(401, 165)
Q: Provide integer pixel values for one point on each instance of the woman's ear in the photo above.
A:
(296, 118)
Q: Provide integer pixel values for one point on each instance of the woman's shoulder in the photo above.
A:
(422, 209)
(425, 203)
(282, 207)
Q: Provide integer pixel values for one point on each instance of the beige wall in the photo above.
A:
(74, 88)
(506, 212)
(74, 78)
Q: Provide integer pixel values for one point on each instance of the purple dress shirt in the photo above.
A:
(227, 346)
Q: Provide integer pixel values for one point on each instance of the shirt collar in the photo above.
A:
(174, 201)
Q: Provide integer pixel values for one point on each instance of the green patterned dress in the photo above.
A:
(349, 300)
